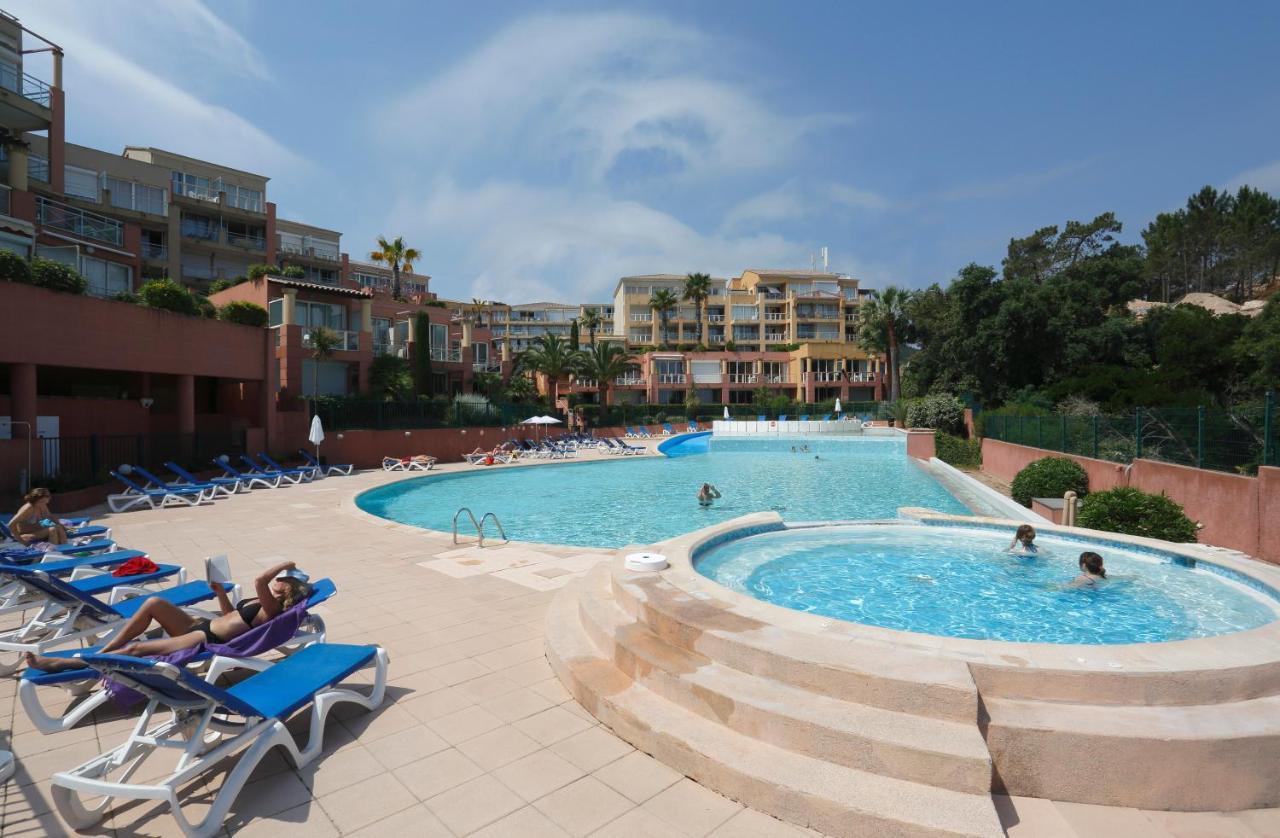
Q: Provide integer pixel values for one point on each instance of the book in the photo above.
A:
(218, 569)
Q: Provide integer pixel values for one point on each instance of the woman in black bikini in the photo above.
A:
(276, 594)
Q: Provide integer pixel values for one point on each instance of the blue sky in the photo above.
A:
(540, 152)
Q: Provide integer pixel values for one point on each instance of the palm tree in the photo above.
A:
(324, 342)
(605, 362)
(591, 321)
(520, 389)
(697, 287)
(664, 301)
(397, 257)
(552, 356)
(882, 324)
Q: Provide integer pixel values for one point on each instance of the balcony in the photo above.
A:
(776, 378)
(821, 376)
(862, 377)
(247, 242)
(78, 222)
(715, 318)
(448, 356)
(715, 339)
(850, 315)
(25, 101)
(486, 367)
(641, 318)
(753, 317)
(775, 316)
(347, 341)
(743, 378)
(629, 381)
(158, 252)
(312, 253)
(775, 337)
(586, 383)
(203, 232)
(671, 378)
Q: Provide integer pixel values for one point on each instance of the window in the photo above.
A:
(106, 279)
(275, 312)
(247, 199)
(439, 336)
(746, 313)
(81, 183)
(132, 195)
(482, 353)
(322, 314)
(370, 280)
(333, 379)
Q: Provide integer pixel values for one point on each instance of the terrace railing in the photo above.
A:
(345, 414)
(75, 462)
(78, 222)
(25, 84)
(1236, 440)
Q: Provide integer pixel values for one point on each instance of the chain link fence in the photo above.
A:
(1236, 440)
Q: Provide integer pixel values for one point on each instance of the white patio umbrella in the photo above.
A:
(533, 420)
(837, 406)
(316, 436)
(726, 412)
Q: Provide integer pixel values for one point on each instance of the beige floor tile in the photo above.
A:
(436, 704)
(752, 824)
(465, 724)
(1201, 824)
(304, 821)
(439, 772)
(270, 796)
(552, 725)
(637, 776)
(1108, 821)
(1031, 817)
(417, 821)
(691, 807)
(522, 823)
(486, 687)
(583, 806)
(593, 748)
(474, 804)
(637, 823)
(406, 746)
(366, 802)
(455, 673)
(338, 771)
(538, 774)
(498, 747)
(516, 705)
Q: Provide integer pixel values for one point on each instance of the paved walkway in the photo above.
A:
(477, 736)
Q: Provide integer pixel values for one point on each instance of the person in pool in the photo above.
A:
(1024, 540)
(279, 589)
(707, 494)
(1091, 571)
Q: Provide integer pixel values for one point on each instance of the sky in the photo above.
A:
(540, 152)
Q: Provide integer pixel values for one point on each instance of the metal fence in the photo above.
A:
(86, 460)
(1236, 440)
(369, 414)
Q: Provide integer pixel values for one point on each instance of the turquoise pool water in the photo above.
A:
(960, 582)
(639, 500)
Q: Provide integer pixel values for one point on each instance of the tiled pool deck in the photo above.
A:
(477, 737)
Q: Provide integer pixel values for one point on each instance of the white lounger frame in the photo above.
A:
(127, 500)
(204, 739)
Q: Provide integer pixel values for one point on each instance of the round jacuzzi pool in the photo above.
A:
(960, 581)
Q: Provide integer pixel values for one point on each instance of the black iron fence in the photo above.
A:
(1236, 440)
(369, 414)
(78, 461)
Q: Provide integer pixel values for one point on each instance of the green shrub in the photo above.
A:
(294, 272)
(257, 271)
(943, 412)
(204, 307)
(244, 313)
(127, 297)
(220, 285)
(56, 276)
(1135, 512)
(961, 453)
(1050, 477)
(167, 295)
(14, 268)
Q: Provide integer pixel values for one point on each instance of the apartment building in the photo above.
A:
(378, 278)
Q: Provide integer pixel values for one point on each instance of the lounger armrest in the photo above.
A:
(123, 592)
(219, 665)
(84, 572)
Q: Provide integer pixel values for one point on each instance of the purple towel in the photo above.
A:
(257, 640)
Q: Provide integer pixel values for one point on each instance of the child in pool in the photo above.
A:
(707, 494)
(1091, 571)
(1024, 540)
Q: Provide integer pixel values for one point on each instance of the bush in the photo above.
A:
(14, 268)
(1135, 512)
(942, 412)
(220, 285)
(56, 276)
(204, 307)
(244, 313)
(167, 295)
(294, 272)
(127, 297)
(1051, 477)
(961, 453)
(258, 271)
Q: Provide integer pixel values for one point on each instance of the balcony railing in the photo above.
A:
(347, 341)
(641, 318)
(25, 84)
(715, 318)
(247, 241)
(776, 337)
(775, 315)
(312, 253)
(486, 367)
(671, 378)
(448, 356)
(747, 318)
(850, 315)
(715, 339)
(862, 376)
(776, 378)
(154, 251)
(586, 383)
(201, 231)
(629, 381)
(82, 223)
(821, 375)
(743, 378)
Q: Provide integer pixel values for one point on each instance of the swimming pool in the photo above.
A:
(959, 582)
(640, 500)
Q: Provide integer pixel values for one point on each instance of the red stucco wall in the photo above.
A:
(1003, 460)
(922, 444)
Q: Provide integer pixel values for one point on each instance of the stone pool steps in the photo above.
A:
(938, 752)
(832, 798)
(862, 671)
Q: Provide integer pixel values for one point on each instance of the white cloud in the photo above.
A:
(115, 98)
(520, 243)
(797, 201)
(599, 91)
(1266, 178)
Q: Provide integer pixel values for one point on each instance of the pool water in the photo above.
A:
(961, 582)
(640, 500)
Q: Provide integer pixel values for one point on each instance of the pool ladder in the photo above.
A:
(479, 525)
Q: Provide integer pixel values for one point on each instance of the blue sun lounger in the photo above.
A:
(154, 482)
(14, 596)
(343, 468)
(18, 553)
(267, 481)
(135, 495)
(291, 475)
(312, 630)
(92, 531)
(314, 470)
(69, 615)
(208, 724)
(222, 485)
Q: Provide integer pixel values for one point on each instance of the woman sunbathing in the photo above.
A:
(278, 589)
(32, 523)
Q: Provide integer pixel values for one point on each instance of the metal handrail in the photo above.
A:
(486, 516)
(474, 523)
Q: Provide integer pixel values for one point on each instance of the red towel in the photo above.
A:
(136, 566)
